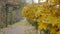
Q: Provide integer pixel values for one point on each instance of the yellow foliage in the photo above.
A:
(49, 2)
(44, 15)
(42, 26)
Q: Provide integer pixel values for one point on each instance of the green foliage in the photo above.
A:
(13, 14)
(2, 25)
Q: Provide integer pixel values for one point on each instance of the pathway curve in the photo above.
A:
(22, 27)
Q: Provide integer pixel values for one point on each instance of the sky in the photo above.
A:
(35, 1)
(30, 1)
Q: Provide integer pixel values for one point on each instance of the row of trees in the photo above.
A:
(10, 12)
